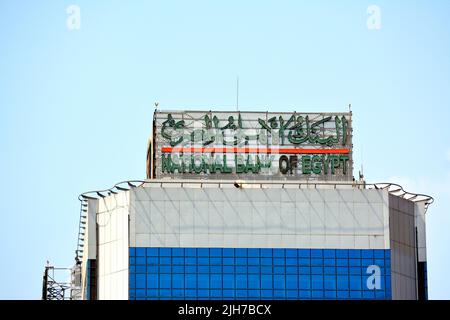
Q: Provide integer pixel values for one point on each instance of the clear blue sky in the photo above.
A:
(76, 106)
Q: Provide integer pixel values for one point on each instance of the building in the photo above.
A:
(250, 206)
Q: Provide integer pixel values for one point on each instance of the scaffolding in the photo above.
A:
(61, 283)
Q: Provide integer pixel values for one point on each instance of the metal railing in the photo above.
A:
(392, 188)
(54, 289)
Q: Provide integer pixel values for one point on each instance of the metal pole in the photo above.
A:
(44, 284)
(237, 93)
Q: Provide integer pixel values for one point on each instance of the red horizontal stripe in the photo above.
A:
(253, 150)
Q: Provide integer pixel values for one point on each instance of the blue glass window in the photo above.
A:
(254, 269)
(177, 293)
(342, 262)
(279, 261)
(266, 270)
(316, 262)
(279, 253)
(216, 281)
(266, 281)
(241, 281)
(304, 270)
(253, 253)
(266, 253)
(254, 281)
(291, 253)
(190, 252)
(304, 294)
(317, 282)
(165, 261)
(279, 281)
(329, 270)
(355, 283)
(152, 269)
(164, 269)
(367, 262)
(342, 282)
(165, 252)
(152, 281)
(228, 269)
(254, 294)
(227, 252)
(304, 262)
(291, 282)
(329, 254)
(279, 294)
(367, 254)
(177, 281)
(132, 279)
(190, 293)
(215, 252)
(329, 282)
(203, 252)
(203, 281)
(318, 295)
(140, 281)
(140, 269)
(177, 252)
(152, 261)
(342, 254)
(304, 253)
(228, 281)
(165, 281)
(304, 282)
(354, 254)
(267, 294)
(140, 252)
(228, 273)
(355, 262)
(378, 254)
(329, 262)
(190, 281)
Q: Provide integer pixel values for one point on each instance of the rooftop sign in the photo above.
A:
(252, 145)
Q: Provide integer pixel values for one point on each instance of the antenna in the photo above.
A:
(361, 173)
(237, 93)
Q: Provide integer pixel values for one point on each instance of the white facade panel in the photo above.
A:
(421, 231)
(112, 219)
(189, 216)
(403, 248)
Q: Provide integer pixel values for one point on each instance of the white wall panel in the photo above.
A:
(112, 218)
(260, 217)
(421, 231)
(403, 248)
(303, 218)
